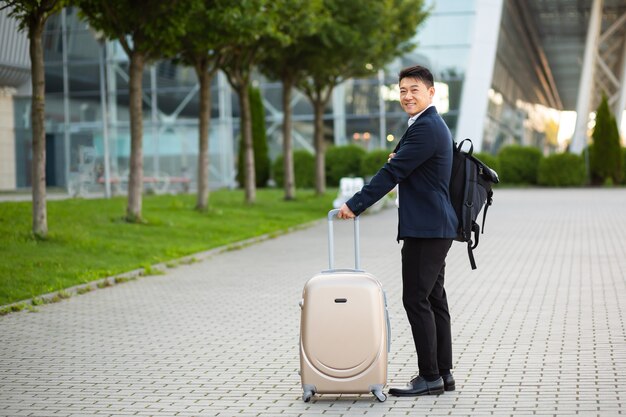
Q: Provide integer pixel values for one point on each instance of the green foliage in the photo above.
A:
(519, 164)
(373, 161)
(153, 26)
(490, 160)
(356, 41)
(304, 169)
(606, 160)
(90, 243)
(198, 45)
(343, 161)
(29, 12)
(259, 142)
(248, 26)
(281, 59)
(562, 170)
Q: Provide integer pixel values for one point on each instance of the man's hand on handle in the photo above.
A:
(345, 212)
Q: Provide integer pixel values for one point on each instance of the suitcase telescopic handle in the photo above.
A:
(331, 245)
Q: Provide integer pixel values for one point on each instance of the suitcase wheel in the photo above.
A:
(380, 395)
(308, 392)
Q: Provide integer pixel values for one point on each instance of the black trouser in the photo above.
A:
(425, 302)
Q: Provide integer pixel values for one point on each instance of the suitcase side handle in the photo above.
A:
(331, 241)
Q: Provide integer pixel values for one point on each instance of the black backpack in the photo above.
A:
(470, 189)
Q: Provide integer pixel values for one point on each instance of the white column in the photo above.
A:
(155, 119)
(105, 120)
(111, 88)
(339, 114)
(585, 86)
(7, 140)
(382, 111)
(473, 110)
(225, 137)
(66, 101)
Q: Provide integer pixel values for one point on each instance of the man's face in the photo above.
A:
(415, 96)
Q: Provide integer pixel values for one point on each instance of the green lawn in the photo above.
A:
(89, 240)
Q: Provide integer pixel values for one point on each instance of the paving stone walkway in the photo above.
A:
(539, 328)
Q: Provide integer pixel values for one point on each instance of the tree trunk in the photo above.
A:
(246, 131)
(204, 127)
(40, 215)
(320, 168)
(290, 180)
(135, 180)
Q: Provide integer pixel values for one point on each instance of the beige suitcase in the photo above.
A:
(344, 330)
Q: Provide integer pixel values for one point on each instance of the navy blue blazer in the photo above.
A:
(422, 168)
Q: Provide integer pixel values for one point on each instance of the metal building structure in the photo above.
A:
(603, 69)
(549, 55)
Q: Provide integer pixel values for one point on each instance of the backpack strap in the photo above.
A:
(468, 201)
(469, 225)
(471, 149)
(489, 201)
(470, 254)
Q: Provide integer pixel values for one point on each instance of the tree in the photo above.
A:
(147, 30)
(606, 160)
(353, 42)
(247, 25)
(259, 142)
(32, 16)
(301, 18)
(201, 48)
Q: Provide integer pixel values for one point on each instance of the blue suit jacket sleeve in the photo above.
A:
(422, 167)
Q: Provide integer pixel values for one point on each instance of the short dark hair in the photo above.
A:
(417, 71)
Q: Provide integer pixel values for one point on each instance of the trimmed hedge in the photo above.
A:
(303, 166)
(519, 164)
(343, 161)
(373, 161)
(490, 160)
(514, 164)
(562, 170)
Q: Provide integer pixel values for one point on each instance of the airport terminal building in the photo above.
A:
(507, 71)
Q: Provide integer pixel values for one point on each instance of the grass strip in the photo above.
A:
(89, 240)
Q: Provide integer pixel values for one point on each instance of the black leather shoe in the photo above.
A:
(448, 382)
(419, 386)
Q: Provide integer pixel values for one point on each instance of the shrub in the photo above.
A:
(373, 161)
(562, 170)
(304, 169)
(519, 164)
(343, 161)
(605, 161)
(259, 142)
(623, 165)
(490, 160)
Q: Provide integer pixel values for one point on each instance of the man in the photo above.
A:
(421, 165)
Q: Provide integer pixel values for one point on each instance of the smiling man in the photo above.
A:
(421, 165)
